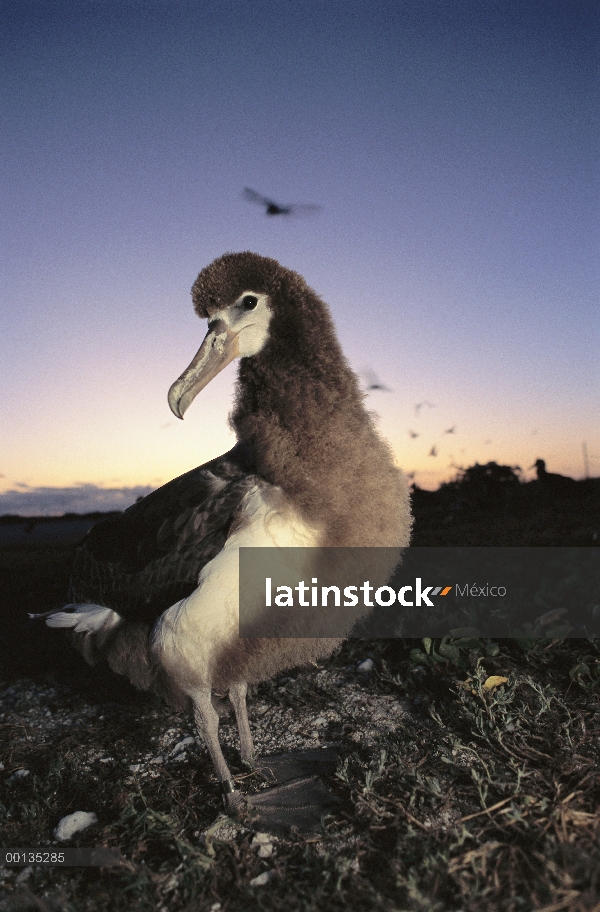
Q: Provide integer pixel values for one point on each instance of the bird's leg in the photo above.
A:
(237, 695)
(207, 722)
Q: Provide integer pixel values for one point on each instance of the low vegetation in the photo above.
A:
(468, 772)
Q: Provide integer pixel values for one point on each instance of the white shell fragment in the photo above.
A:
(74, 823)
(18, 774)
(262, 845)
(183, 746)
(261, 880)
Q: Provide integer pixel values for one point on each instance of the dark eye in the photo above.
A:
(249, 302)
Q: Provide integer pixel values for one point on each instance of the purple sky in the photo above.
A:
(453, 146)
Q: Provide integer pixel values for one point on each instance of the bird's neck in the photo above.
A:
(312, 436)
(289, 418)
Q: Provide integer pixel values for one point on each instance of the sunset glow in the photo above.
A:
(453, 151)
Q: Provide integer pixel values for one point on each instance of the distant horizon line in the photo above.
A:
(88, 500)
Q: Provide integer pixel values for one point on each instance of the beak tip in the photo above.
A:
(174, 406)
(174, 401)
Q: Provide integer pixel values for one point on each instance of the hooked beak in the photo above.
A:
(219, 349)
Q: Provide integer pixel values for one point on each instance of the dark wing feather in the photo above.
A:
(142, 562)
(273, 208)
(253, 197)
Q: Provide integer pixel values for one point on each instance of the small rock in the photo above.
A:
(365, 667)
(183, 745)
(18, 774)
(266, 851)
(262, 845)
(24, 875)
(261, 880)
(74, 823)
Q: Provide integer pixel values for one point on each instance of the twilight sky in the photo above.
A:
(453, 147)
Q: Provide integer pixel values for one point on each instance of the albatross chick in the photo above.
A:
(155, 590)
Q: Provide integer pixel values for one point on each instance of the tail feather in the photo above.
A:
(91, 627)
(99, 632)
(85, 618)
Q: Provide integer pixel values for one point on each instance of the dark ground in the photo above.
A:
(468, 773)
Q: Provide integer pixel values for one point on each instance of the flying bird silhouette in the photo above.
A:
(420, 405)
(373, 381)
(433, 451)
(273, 208)
(450, 430)
(413, 435)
